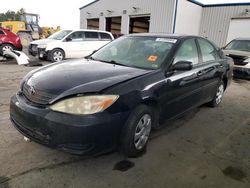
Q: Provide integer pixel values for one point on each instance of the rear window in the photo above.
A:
(1, 32)
(91, 35)
(105, 36)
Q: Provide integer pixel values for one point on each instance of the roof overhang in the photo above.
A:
(88, 4)
(192, 1)
(219, 5)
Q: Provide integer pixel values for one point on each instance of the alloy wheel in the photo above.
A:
(219, 94)
(142, 131)
(57, 56)
(7, 47)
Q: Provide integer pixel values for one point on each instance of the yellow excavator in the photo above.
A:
(28, 28)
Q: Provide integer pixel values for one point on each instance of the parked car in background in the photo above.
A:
(239, 50)
(120, 93)
(69, 44)
(9, 41)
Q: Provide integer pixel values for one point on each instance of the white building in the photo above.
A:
(219, 23)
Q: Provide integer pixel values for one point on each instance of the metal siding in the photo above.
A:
(188, 11)
(216, 20)
(161, 12)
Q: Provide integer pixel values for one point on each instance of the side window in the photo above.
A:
(105, 36)
(208, 51)
(77, 36)
(1, 32)
(187, 52)
(91, 35)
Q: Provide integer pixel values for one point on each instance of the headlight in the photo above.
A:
(85, 104)
(247, 60)
(42, 46)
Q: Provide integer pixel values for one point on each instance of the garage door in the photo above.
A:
(239, 27)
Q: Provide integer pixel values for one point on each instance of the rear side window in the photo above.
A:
(91, 35)
(187, 52)
(105, 36)
(208, 51)
(1, 32)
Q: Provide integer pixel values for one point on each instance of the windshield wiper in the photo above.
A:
(111, 62)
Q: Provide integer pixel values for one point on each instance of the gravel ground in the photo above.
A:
(205, 148)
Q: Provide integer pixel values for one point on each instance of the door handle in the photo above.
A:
(200, 73)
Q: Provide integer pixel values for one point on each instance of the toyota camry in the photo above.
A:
(115, 97)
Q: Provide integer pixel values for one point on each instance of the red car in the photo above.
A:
(9, 40)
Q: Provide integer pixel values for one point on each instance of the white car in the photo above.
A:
(69, 44)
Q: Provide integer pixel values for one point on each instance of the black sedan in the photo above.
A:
(115, 97)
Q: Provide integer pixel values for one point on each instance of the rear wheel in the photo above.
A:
(26, 38)
(5, 47)
(56, 55)
(218, 96)
(136, 131)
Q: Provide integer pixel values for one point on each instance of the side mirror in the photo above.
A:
(182, 66)
(68, 39)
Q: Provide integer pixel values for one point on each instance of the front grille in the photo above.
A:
(33, 47)
(36, 96)
(238, 60)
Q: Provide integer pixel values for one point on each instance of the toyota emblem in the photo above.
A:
(31, 90)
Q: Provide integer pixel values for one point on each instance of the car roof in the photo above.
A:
(4, 29)
(164, 35)
(243, 38)
(92, 30)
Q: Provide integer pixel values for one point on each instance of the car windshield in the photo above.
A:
(240, 45)
(140, 52)
(60, 34)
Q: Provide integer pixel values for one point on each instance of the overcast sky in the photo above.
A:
(65, 13)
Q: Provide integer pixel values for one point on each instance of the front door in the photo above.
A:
(183, 89)
(74, 45)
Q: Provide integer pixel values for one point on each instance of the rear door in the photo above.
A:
(183, 89)
(94, 41)
(212, 68)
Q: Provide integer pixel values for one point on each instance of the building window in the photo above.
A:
(113, 24)
(139, 24)
(93, 23)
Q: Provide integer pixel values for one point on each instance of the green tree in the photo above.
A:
(11, 15)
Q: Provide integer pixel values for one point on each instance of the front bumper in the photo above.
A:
(75, 134)
(33, 49)
(42, 53)
(241, 72)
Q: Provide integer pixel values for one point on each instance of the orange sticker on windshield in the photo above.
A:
(152, 58)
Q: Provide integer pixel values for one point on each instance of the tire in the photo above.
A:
(136, 131)
(218, 95)
(56, 55)
(26, 38)
(42, 58)
(4, 47)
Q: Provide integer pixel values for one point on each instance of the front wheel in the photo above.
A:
(136, 131)
(218, 96)
(5, 47)
(56, 55)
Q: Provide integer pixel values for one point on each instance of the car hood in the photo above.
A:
(77, 77)
(43, 41)
(237, 53)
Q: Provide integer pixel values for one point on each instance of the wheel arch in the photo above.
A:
(225, 81)
(154, 105)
